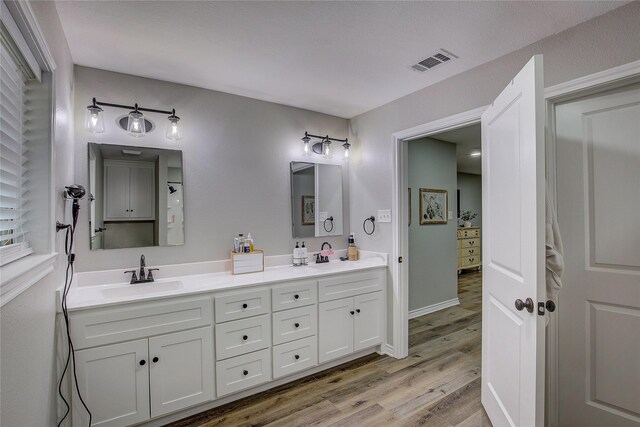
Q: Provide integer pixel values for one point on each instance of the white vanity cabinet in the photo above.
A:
(353, 323)
(129, 189)
(145, 364)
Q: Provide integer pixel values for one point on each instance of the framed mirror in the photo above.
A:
(316, 200)
(136, 197)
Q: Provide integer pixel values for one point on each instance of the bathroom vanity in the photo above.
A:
(199, 341)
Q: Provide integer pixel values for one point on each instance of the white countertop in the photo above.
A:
(85, 297)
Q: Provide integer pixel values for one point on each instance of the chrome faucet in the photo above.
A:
(142, 278)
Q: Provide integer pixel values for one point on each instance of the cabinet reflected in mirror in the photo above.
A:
(135, 197)
(316, 200)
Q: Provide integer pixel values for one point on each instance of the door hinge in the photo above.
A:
(399, 260)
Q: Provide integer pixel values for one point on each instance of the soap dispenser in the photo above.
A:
(296, 255)
(304, 254)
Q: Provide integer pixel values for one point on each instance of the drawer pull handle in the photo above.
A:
(156, 359)
(245, 337)
(245, 305)
(297, 356)
(297, 325)
(143, 362)
(352, 313)
(357, 310)
(245, 372)
(296, 296)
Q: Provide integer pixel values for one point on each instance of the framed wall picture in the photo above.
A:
(434, 205)
(308, 210)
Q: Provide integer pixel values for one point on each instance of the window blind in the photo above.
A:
(13, 161)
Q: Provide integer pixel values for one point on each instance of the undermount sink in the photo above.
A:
(142, 288)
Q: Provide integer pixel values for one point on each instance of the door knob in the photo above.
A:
(551, 306)
(528, 304)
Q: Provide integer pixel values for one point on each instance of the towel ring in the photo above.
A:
(373, 223)
(324, 224)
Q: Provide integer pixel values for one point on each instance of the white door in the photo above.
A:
(114, 382)
(513, 203)
(369, 320)
(116, 190)
(598, 174)
(142, 193)
(181, 370)
(335, 329)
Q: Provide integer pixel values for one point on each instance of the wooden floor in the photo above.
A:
(438, 385)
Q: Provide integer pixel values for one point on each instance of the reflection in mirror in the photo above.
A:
(136, 197)
(303, 199)
(328, 200)
(316, 200)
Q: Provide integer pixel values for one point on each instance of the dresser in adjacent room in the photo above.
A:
(469, 248)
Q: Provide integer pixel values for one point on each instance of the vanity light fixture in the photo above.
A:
(323, 146)
(136, 126)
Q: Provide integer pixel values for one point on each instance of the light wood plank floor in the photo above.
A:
(438, 385)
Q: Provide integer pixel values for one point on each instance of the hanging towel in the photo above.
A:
(554, 251)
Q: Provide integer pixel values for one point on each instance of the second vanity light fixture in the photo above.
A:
(136, 123)
(323, 146)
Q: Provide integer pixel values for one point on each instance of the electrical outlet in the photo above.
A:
(384, 215)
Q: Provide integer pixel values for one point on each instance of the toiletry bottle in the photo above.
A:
(250, 240)
(352, 250)
(303, 254)
(247, 245)
(240, 243)
(296, 255)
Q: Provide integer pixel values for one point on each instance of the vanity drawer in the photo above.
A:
(347, 285)
(243, 372)
(238, 305)
(295, 356)
(295, 294)
(103, 326)
(242, 336)
(294, 324)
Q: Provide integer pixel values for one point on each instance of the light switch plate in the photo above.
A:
(323, 215)
(450, 214)
(384, 215)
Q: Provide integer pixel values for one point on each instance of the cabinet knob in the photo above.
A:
(297, 356)
(357, 310)
(352, 312)
(143, 362)
(245, 305)
(297, 325)
(245, 337)
(155, 359)
(296, 296)
(245, 372)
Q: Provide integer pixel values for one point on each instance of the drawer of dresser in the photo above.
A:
(294, 324)
(295, 294)
(242, 336)
(90, 328)
(347, 285)
(239, 305)
(239, 373)
(470, 260)
(468, 232)
(295, 356)
(469, 243)
(469, 252)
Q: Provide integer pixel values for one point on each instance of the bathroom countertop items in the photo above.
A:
(99, 295)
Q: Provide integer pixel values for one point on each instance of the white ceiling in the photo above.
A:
(340, 58)
(468, 140)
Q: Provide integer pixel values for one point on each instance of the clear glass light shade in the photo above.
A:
(94, 120)
(346, 151)
(174, 129)
(136, 126)
(326, 150)
(306, 148)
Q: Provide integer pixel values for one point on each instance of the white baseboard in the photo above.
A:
(433, 308)
(387, 349)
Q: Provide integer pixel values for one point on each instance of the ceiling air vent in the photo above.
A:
(436, 59)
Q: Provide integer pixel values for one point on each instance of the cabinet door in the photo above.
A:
(181, 370)
(369, 320)
(142, 193)
(114, 382)
(335, 329)
(116, 190)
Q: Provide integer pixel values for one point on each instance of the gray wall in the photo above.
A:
(432, 248)
(599, 44)
(27, 323)
(236, 154)
(470, 187)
